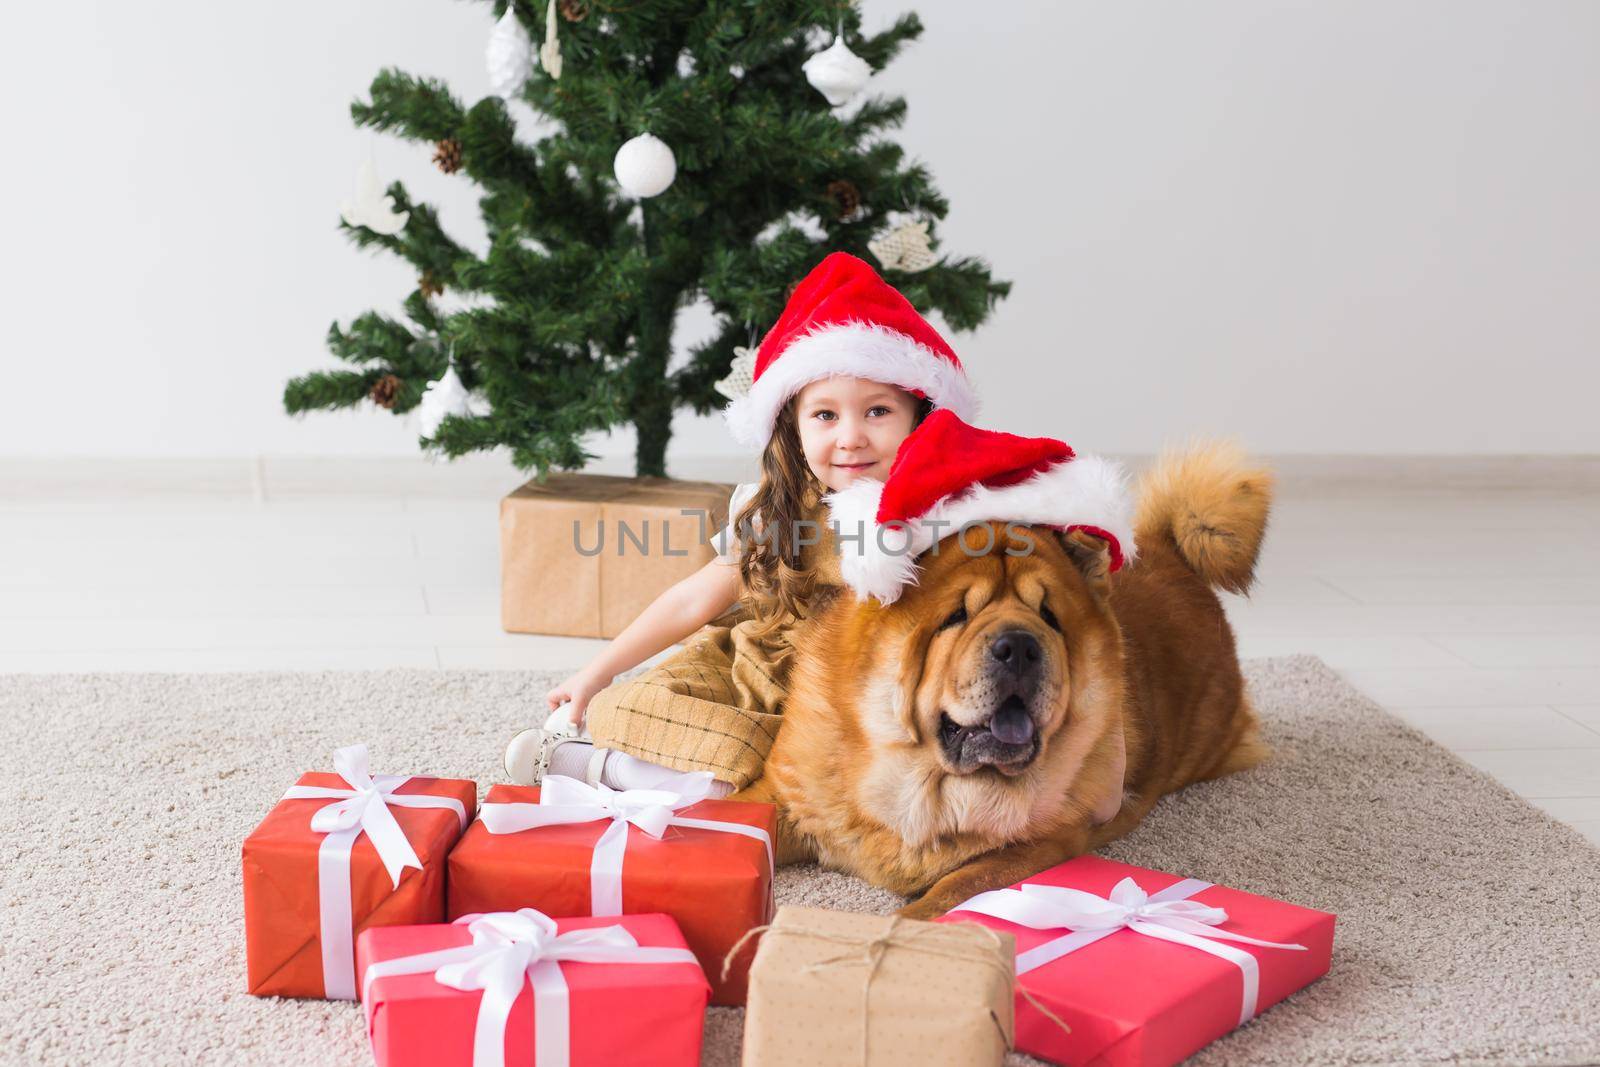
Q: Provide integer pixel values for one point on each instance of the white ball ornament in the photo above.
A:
(509, 55)
(645, 166)
(837, 73)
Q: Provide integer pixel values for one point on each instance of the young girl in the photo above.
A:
(845, 375)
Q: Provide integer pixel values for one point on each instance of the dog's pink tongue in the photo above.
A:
(1012, 725)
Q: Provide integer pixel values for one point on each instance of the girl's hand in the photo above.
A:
(579, 689)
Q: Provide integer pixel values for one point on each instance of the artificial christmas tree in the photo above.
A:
(577, 294)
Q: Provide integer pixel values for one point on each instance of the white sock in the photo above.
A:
(570, 759)
(623, 771)
(620, 771)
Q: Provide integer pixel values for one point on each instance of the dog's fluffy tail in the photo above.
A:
(1211, 503)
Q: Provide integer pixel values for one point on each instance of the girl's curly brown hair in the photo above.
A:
(770, 568)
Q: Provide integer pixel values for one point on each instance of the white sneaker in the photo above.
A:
(530, 754)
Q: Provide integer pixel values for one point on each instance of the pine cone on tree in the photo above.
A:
(430, 285)
(574, 10)
(447, 154)
(847, 196)
(386, 390)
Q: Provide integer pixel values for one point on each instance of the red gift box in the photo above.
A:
(623, 1011)
(1146, 982)
(286, 863)
(717, 884)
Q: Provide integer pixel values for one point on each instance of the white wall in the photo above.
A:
(1366, 227)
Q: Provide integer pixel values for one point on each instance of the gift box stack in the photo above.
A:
(576, 924)
(510, 932)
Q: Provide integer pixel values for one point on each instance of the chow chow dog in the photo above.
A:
(1010, 712)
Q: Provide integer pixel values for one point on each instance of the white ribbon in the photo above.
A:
(564, 801)
(361, 809)
(506, 948)
(1167, 914)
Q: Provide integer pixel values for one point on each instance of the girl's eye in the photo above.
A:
(879, 408)
(825, 416)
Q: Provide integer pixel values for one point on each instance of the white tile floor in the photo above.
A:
(1463, 595)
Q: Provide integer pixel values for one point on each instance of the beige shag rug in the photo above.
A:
(1469, 921)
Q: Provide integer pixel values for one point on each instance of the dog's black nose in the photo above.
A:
(1018, 650)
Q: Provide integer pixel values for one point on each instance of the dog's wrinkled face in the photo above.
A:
(995, 644)
(988, 697)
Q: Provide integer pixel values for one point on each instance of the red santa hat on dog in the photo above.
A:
(948, 474)
(845, 320)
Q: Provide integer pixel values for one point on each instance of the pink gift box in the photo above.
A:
(615, 1012)
(1136, 999)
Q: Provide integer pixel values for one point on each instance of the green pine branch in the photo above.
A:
(419, 109)
(327, 390)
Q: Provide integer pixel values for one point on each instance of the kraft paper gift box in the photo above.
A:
(597, 851)
(833, 987)
(529, 991)
(339, 853)
(1146, 968)
(552, 579)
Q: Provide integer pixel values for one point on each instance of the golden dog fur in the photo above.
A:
(1135, 692)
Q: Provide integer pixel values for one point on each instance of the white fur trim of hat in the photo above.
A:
(855, 350)
(1084, 491)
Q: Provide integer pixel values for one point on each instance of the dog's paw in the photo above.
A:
(924, 908)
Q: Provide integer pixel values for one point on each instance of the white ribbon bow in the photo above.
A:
(1168, 915)
(508, 947)
(361, 809)
(564, 801)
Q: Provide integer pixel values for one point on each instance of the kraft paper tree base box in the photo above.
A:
(583, 554)
(285, 871)
(931, 995)
(717, 885)
(1131, 996)
(616, 1012)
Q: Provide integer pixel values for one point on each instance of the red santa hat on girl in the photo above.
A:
(948, 474)
(845, 320)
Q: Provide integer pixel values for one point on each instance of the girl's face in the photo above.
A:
(851, 428)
